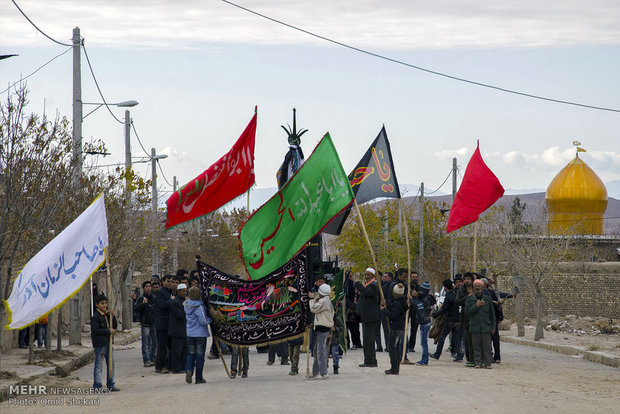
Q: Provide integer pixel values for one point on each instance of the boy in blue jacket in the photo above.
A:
(197, 333)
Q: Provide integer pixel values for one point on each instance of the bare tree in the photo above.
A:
(35, 165)
(515, 248)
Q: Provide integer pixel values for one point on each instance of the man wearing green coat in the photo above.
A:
(479, 308)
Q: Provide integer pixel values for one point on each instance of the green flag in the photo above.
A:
(299, 210)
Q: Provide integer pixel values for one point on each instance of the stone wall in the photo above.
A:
(582, 289)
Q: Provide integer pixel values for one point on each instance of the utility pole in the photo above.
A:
(127, 322)
(452, 241)
(75, 320)
(155, 266)
(421, 265)
(77, 110)
(175, 249)
(127, 150)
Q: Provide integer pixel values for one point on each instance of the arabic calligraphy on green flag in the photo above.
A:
(307, 202)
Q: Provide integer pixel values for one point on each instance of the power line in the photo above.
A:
(98, 88)
(35, 26)
(38, 69)
(400, 62)
(439, 188)
(139, 141)
(162, 173)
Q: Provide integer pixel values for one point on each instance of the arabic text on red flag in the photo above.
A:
(228, 178)
(478, 191)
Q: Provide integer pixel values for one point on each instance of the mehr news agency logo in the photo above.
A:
(31, 395)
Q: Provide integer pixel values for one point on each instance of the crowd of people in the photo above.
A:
(468, 314)
(174, 325)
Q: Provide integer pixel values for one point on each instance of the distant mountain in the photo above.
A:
(259, 196)
(534, 200)
(613, 189)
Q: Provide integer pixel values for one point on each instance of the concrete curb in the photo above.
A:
(70, 366)
(77, 363)
(598, 357)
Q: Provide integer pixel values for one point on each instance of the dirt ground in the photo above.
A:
(578, 332)
(528, 380)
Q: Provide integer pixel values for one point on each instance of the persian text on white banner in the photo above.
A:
(60, 268)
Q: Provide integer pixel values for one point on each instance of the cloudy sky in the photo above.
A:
(198, 69)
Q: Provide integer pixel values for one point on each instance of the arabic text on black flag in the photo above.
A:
(373, 177)
(262, 311)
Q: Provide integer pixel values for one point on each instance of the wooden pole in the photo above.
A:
(329, 345)
(475, 245)
(247, 216)
(111, 326)
(219, 351)
(406, 230)
(372, 253)
(307, 340)
(344, 320)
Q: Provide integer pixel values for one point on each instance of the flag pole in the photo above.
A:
(475, 244)
(406, 230)
(307, 340)
(372, 253)
(92, 299)
(344, 319)
(219, 351)
(111, 326)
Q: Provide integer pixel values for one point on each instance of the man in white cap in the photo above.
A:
(368, 309)
(323, 310)
(177, 331)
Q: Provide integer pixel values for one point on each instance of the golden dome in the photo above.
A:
(576, 200)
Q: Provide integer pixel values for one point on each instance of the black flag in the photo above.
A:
(373, 177)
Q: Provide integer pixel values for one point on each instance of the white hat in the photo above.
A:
(181, 286)
(324, 289)
(399, 289)
(371, 270)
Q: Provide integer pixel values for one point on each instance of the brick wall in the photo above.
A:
(582, 289)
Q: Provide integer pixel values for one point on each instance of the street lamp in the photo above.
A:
(124, 104)
(75, 311)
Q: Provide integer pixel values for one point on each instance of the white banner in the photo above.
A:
(61, 268)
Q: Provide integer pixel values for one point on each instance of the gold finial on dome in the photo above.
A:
(576, 199)
(577, 145)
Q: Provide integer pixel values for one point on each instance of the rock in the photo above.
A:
(604, 326)
(571, 317)
(505, 325)
(61, 371)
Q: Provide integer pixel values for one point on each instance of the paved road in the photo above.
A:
(528, 381)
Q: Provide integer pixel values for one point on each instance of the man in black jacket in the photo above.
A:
(100, 332)
(368, 309)
(415, 287)
(353, 322)
(452, 323)
(466, 290)
(144, 310)
(386, 282)
(395, 312)
(177, 331)
(162, 299)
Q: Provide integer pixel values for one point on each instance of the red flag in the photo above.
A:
(479, 190)
(229, 177)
